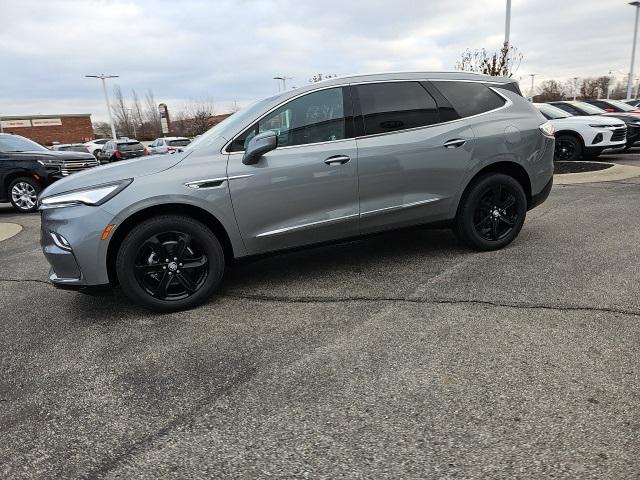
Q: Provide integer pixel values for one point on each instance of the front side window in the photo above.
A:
(391, 106)
(470, 98)
(313, 118)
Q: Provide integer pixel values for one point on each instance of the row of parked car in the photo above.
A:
(26, 167)
(584, 129)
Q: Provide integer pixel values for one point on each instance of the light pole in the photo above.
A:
(633, 50)
(575, 87)
(282, 79)
(102, 77)
(507, 25)
(532, 75)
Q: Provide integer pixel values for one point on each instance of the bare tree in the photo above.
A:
(102, 129)
(502, 63)
(152, 115)
(233, 107)
(589, 88)
(196, 114)
(121, 113)
(549, 91)
(318, 77)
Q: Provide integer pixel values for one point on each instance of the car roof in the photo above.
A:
(172, 138)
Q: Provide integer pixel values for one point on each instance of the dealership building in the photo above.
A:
(47, 129)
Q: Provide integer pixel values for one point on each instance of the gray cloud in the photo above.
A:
(229, 50)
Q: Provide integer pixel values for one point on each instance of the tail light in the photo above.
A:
(547, 129)
(117, 154)
(146, 152)
(171, 149)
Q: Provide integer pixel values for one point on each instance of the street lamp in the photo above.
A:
(633, 50)
(282, 79)
(532, 75)
(102, 77)
(575, 87)
(507, 25)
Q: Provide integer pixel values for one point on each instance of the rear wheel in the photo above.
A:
(170, 263)
(23, 193)
(568, 148)
(491, 212)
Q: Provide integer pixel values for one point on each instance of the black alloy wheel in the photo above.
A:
(169, 263)
(568, 148)
(496, 213)
(171, 266)
(491, 212)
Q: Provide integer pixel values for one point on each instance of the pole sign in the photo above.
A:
(164, 118)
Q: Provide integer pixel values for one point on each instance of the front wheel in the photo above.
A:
(491, 212)
(23, 193)
(568, 148)
(170, 263)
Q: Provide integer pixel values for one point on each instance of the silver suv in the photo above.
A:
(340, 158)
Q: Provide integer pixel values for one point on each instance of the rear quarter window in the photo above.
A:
(470, 98)
(130, 146)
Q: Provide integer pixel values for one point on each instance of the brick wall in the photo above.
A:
(73, 130)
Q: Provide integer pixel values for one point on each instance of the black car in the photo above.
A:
(585, 109)
(26, 167)
(613, 106)
(121, 149)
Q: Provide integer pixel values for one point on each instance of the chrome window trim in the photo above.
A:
(507, 104)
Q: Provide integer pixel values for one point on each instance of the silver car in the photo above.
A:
(167, 145)
(341, 158)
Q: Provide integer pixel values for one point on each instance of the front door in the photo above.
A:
(306, 190)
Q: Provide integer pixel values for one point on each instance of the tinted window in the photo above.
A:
(15, 143)
(470, 98)
(73, 148)
(101, 142)
(391, 106)
(130, 146)
(178, 143)
(316, 117)
(567, 108)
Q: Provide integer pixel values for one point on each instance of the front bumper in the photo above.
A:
(83, 262)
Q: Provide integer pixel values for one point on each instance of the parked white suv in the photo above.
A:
(168, 145)
(583, 137)
(94, 146)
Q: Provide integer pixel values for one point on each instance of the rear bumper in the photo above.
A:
(541, 196)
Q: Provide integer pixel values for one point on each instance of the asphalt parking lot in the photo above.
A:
(399, 356)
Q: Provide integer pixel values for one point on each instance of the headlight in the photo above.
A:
(547, 129)
(96, 195)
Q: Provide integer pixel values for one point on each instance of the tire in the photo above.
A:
(23, 194)
(568, 149)
(491, 212)
(96, 152)
(591, 153)
(139, 263)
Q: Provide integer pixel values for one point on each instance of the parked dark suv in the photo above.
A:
(121, 149)
(26, 167)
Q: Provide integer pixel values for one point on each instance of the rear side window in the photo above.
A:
(391, 106)
(178, 143)
(567, 108)
(470, 98)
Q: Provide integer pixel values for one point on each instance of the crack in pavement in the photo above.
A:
(432, 300)
(399, 299)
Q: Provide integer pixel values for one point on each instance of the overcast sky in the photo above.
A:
(228, 50)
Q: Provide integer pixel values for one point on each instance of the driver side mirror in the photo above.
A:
(259, 145)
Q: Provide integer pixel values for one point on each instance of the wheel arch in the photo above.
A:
(512, 169)
(571, 133)
(198, 213)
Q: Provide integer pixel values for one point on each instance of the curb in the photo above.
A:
(617, 172)
(8, 230)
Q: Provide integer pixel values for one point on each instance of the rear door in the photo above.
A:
(411, 152)
(306, 190)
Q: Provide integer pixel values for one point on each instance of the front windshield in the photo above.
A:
(233, 122)
(16, 143)
(588, 108)
(621, 105)
(551, 112)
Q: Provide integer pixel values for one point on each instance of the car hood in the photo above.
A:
(591, 120)
(625, 117)
(112, 172)
(58, 155)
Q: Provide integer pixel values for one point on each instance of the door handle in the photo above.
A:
(455, 143)
(337, 160)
